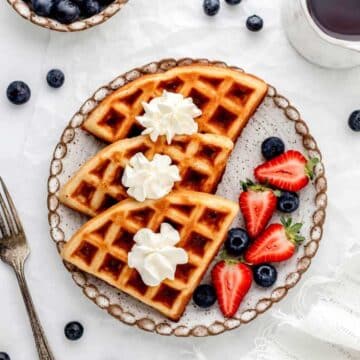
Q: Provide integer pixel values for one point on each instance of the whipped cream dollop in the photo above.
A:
(155, 255)
(149, 179)
(170, 114)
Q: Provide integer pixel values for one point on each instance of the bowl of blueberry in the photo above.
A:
(67, 15)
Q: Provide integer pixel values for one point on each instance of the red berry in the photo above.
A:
(277, 243)
(232, 281)
(289, 171)
(257, 204)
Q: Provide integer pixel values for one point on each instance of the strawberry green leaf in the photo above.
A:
(292, 230)
(296, 227)
(309, 167)
(246, 184)
(299, 239)
(230, 260)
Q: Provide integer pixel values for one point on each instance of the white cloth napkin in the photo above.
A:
(324, 323)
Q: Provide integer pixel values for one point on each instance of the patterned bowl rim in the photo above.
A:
(24, 10)
(163, 328)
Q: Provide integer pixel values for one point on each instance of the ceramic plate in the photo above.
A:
(274, 117)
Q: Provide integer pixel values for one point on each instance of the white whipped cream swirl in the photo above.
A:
(155, 255)
(170, 114)
(149, 179)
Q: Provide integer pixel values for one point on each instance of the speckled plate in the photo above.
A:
(23, 9)
(276, 116)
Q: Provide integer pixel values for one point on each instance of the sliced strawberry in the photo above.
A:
(277, 243)
(257, 204)
(289, 171)
(232, 280)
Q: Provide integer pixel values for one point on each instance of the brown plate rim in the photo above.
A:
(24, 11)
(147, 324)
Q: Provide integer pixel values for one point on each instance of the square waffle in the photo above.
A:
(201, 159)
(226, 97)
(101, 245)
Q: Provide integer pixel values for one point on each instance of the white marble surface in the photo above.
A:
(144, 31)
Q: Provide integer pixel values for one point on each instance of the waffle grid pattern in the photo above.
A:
(201, 159)
(226, 98)
(102, 245)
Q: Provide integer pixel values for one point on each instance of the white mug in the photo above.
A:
(312, 42)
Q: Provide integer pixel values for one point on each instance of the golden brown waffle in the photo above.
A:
(101, 246)
(226, 97)
(201, 159)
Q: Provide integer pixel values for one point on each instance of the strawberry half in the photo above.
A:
(277, 243)
(257, 204)
(232, 280)
(289, 171)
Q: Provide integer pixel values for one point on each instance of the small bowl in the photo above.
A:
(24, 10)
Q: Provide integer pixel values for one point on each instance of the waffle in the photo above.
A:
(201, 159)
(226, 97)
(101, 246)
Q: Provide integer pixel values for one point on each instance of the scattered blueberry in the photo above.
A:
(18, 92)
(233, 2)
(204, 296)
(90, 8)
(66, 11)
(254, 23)
(4, 356)
(288, 201)
(55, 78)
(354, 120)
(211, 7)
(265, 275)
(74, 330)
(42, 7)
(237, 241)
(272, 147)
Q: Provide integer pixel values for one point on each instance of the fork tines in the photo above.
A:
(10, 223)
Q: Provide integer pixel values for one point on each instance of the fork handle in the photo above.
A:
(39, 336)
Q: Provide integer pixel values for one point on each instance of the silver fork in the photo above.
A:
(14, 250)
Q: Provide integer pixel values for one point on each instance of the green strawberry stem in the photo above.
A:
(309, 167)
(250, 185)
(246, 184)
(230, 260)
(292, 230)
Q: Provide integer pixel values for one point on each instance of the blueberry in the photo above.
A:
(66, 12)
(18, 92)
(4, 356)
(105, 2)
(211, 7)
(265, 275)
(288, 201)
(55, 78)
(237, 241)
(90, 8)
(74, 330)
(42, 7)
(254, 23)
(204, 296)
(272, 147)
(233, 2)
(354, 120)
(79, 3)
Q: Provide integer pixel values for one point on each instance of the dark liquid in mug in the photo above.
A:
(338, 18)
